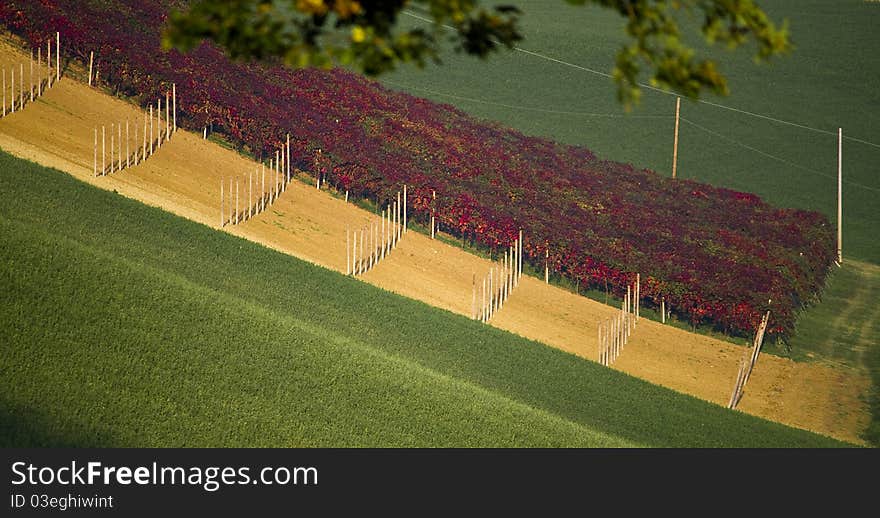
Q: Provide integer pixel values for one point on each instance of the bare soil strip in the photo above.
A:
(184, 177)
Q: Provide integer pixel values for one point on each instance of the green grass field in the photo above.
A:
(829, 81)
(123, 325)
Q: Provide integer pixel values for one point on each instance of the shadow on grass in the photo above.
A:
(22, 427)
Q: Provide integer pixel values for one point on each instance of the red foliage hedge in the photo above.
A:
(716, 255)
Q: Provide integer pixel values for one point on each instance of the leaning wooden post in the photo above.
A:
(57, 56)
(675, 139)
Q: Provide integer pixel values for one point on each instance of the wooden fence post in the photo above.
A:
(547, 266)
(237, 211)
(152, 138)
(57, 56)
(144, 150)
(39, 70)
(174, 97)
(127, 146)
(103, 150)
(250, 194)
(91, 65)
(12, 89)
(134, 158)
(404, 209)
(95, 167)
(4, 92)
(112, 147)
(167, 116)
(434, 201)
(222, 221)
(31, 77)
(119, 143)
(49, 62)
(263, 188)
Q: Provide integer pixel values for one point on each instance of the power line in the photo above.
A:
(774, 157)
(659, 90)
(528, 108)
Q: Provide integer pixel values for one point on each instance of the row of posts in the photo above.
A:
(366, 247)
(747, 363)
(614, 333)
(155, 133)
(35, 89)
(280, 176)
(497, 285)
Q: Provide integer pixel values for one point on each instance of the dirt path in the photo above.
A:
(184, 177)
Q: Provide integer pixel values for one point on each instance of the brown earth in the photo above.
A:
(184, 177)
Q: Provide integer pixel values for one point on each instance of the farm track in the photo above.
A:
(183, 177)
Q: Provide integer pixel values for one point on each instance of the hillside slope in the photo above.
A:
(183, 177)
(123, 325)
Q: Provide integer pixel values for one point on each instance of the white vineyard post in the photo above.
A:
(151, 130)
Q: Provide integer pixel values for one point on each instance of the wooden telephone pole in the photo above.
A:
(675, 141)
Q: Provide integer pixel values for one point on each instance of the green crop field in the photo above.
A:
(829, 81)
(123, 325)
